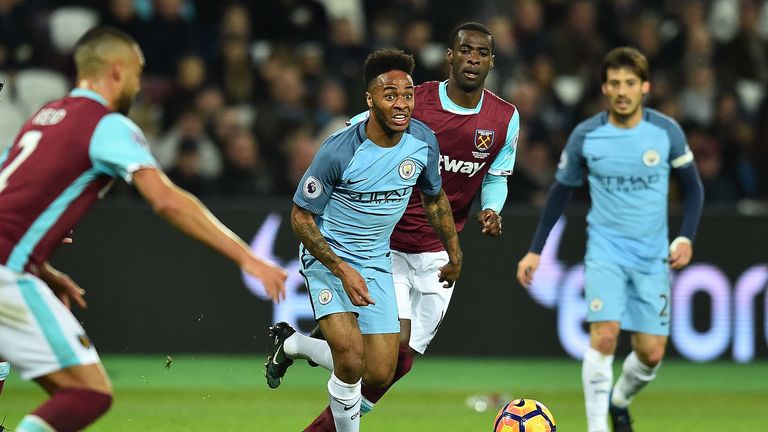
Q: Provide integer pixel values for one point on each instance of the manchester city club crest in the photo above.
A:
(651, 158)
(596, 305)
(407, 169)
(325, 296)
(483, 139)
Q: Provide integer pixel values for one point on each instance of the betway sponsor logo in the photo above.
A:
(454, 165)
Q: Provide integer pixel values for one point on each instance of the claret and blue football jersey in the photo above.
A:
(59, 164)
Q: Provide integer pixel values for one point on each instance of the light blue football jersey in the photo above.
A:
(628, 173)
(359, 190)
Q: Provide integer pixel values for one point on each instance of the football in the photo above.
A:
(524, 415)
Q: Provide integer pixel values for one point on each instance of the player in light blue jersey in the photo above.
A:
(344, 211)
(628, 154)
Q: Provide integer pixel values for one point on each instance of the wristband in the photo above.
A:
(677, 241)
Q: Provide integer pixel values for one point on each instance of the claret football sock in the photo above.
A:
(597, 378)
(345, 404)
(317, 350)
(68, 410)
(634, 376)
(323, 422)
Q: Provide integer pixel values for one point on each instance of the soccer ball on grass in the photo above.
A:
(524, 415)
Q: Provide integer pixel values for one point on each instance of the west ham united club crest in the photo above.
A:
(483, 139)
(84, 340)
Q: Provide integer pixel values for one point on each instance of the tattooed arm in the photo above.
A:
(305, 228)
(440, 216)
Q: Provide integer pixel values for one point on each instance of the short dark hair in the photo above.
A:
(625, 57)
(385, 60)
(90, 50)
(102, 33)
(474, 26)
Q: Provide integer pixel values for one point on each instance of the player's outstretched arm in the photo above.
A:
(190, 216)
(305, 228)
(440, 216)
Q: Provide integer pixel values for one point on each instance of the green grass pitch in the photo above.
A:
(228, 393)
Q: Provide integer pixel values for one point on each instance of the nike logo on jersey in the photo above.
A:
(597, 158)
(351, 182)
(459, 166)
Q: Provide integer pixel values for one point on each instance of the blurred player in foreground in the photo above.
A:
(62, 160)
(345, 209)
(477, 134)
(628, 153)
(5, 367)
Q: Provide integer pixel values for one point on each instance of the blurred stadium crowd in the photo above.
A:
(237, 96)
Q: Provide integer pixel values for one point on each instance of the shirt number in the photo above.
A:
(28, 144)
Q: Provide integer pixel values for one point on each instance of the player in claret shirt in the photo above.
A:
(477, 133)
(63, 159)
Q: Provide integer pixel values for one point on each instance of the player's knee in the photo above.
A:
(651, 356)
(605, 343)
(378, 376)
(604, 336)
(348, 363)
(87, 377)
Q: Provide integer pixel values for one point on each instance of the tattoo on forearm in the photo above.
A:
(313, 240)
(440, 216)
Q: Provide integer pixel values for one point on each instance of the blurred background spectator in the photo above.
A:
(237, 96)
(186, 169)
(246, 174)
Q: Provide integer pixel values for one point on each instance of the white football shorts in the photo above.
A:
(421, 297)
(38, 334)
